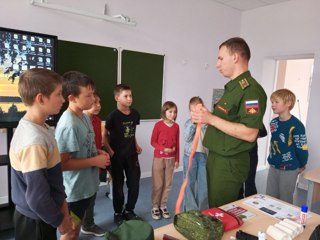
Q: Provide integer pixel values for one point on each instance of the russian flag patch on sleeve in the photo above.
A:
(252, 106)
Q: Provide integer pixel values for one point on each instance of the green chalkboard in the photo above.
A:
(98, 62)
(143, 72)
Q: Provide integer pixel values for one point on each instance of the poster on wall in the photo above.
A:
(216, 96)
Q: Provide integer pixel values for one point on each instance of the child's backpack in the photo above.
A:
(132, 230)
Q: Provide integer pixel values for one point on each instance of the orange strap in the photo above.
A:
(185, 181)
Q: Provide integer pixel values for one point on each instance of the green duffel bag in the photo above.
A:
(131, 230)
(195, 226)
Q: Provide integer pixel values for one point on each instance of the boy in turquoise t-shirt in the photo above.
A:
(79, 157)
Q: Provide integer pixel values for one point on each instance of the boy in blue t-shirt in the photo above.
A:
(75, 136)
(288, 149)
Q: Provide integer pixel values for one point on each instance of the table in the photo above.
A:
(260, 222)
(313, 177)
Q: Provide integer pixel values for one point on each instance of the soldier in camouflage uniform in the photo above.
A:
(234, 124)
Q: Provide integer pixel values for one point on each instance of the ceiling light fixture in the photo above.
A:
(116, 18)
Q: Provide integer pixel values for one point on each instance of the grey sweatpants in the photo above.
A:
(282, 183)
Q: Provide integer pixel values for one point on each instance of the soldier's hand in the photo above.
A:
(200, 114)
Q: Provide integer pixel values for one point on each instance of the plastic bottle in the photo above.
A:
(261, 236)
(303, 215)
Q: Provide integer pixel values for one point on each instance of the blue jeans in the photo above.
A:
(196, 193)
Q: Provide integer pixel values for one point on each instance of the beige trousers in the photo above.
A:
(162, 175)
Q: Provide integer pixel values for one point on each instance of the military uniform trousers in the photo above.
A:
(225, 176)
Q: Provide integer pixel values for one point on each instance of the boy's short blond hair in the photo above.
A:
(195, 100)
(35, 81)
(285, 95)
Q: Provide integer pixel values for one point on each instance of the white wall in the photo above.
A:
(188, 32)
(286, 29)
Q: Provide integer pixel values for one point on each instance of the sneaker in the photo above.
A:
(130, 215)
(93, 230)
(164, 212)
(109, 195)
(119, 218)
(155, 213)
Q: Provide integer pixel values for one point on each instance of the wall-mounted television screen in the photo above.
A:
(19, 51)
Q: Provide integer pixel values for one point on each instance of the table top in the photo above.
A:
(260, 222)
(313, 175)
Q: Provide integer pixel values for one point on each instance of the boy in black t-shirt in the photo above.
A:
(123, 149)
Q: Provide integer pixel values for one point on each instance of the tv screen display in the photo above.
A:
(19, 51)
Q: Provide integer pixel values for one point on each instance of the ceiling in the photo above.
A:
(244, 5)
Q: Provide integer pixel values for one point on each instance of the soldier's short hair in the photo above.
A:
(237, 45)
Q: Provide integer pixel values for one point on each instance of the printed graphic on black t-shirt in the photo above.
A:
(122, 130)
(129, 129)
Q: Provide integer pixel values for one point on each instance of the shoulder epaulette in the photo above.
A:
(244, 83)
